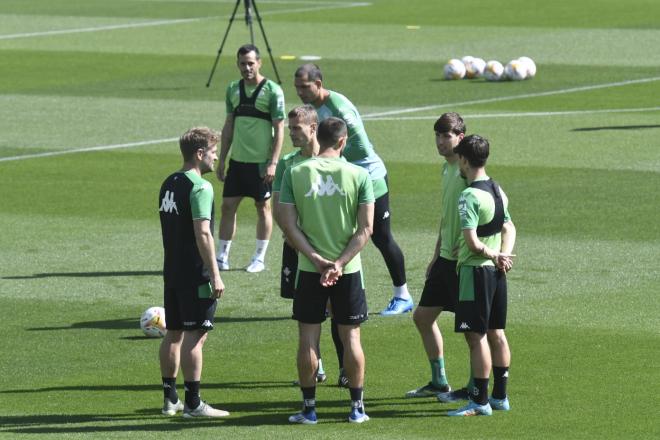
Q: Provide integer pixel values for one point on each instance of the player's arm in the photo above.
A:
(505, 261)
(276, 149)
(226, 139)
(295, 237)
(436, 252)
(206, 247)
(365, 228)
(276, 209)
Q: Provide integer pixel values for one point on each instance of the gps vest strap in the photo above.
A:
(246, 105)
(495, 225)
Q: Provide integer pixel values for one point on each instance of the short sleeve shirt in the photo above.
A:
(283, 164)
(327, 193)
(359, 149)
(477, 207)
(253, 137)
(183, 198)
(450, 227)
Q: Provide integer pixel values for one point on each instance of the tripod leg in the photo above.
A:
(263, 33)
(222, 45)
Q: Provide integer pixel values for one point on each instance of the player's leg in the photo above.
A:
(197, 315)
(264, 230)
(170, 354)
(309, 310)
(499, 346)
(227, 229)
(401, 301)
(472, 314)
(349, 307)
(425, 321)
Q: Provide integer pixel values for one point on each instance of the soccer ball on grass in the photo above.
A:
(152, 322)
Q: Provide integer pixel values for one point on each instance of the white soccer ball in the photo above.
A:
(152, 322)
(515, 70)
(454, 69)
(475, 68)
(493, 70)
(467, 59)
(530, 64)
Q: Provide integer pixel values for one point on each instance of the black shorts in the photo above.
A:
(347, 298)
(246, 180)
(481, 299)
(185, 310)
(289, 270)
(441, 287)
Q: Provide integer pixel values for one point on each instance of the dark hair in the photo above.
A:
(310, 71)
(475, 149)
(246, 49)
(306, 112)
(330, 131)
(196, 138)
(450, 123)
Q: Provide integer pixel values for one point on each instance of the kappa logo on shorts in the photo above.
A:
(464, 326)
(386, 215)
(327, 188)
(168, 204)
(207, 324)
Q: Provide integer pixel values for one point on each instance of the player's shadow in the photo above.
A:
(617, 127)
(248, 385)
(133, 323)
(109, 324)
(129, 273)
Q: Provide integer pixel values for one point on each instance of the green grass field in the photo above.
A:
(576, 149)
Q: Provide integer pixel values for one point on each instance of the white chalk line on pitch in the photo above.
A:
(316, 7)
(513, 97)
(519, 114)
(87, 149)
(374, 117)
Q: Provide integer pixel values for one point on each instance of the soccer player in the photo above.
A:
(484, 257)
(441, 287)
(327, 207)
(303, 125)
(192, 279)
(254, 131)
(359, 150)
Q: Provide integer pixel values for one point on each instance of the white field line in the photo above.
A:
(86, 149)
(513, 97)
(519, 114)
(316, 7)
(378, 116)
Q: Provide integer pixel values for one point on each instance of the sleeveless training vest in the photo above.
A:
(495, 225)
(246, 106)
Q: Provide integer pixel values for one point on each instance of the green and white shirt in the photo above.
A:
(477, 207)
(327, 193)
(359, 149)
(450, 224)
(253, 137)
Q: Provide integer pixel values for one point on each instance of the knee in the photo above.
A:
(263, 208)
(474, 340)
(421, 320)
(228, 208)
(497, 338)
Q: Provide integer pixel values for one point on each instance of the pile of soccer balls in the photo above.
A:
(471, 67)
(152, 322)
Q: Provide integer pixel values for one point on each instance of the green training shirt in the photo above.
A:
(359, 149)
(450, 224)
(283, 164)
(253, 137)
(477, 207)
(327, 193)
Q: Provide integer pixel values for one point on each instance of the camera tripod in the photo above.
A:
(248, 4)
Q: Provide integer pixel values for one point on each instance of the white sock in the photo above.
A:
(223, 250)
(260, 251)
(401, 291)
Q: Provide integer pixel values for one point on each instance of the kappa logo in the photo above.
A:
(207, 324)
(386, 215)
(327, 188)
(168, 204)
(464, 326)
